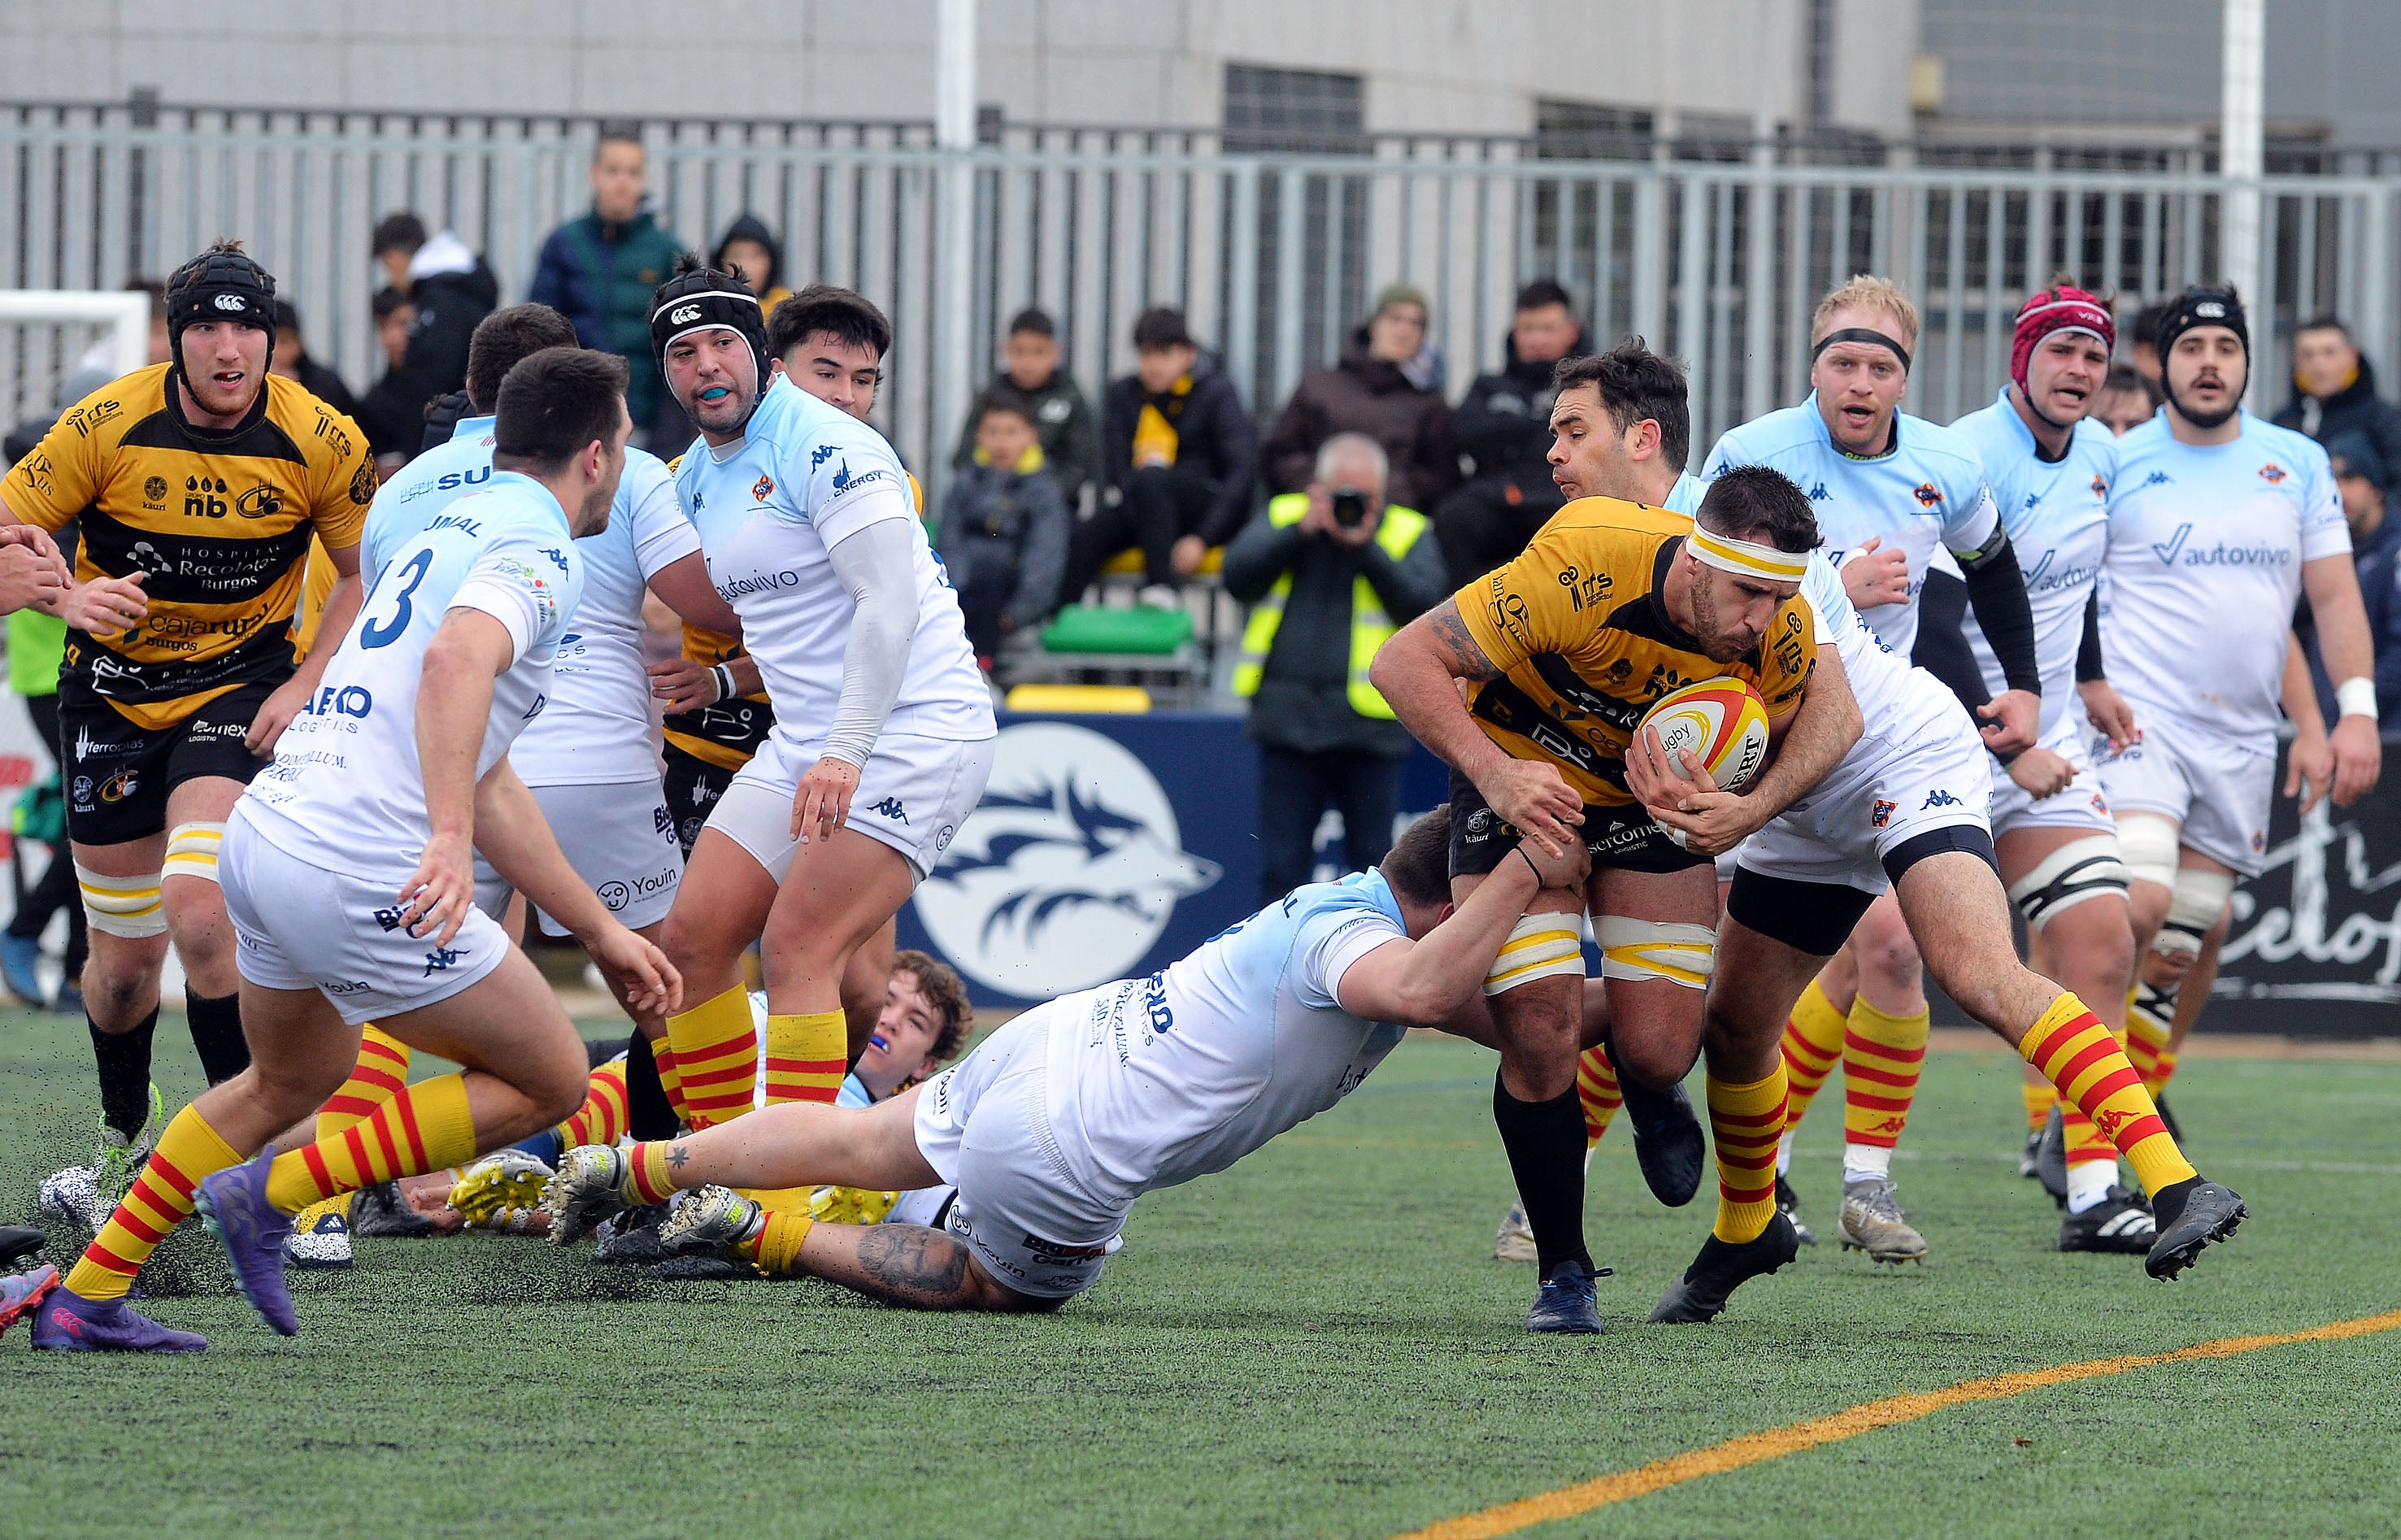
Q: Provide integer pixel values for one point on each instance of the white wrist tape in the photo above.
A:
(2357, 698)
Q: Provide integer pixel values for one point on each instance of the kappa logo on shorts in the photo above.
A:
(1882, 813)
(890, 807)
(1939, 798)
(441, 959)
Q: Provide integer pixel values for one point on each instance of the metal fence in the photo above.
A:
(1273, 255)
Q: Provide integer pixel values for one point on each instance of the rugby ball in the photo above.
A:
(1721, 723)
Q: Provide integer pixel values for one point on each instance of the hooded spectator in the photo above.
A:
(2334, 395)
(749, 246)
(599, 271)
(1504, 428)
(1029, 364)
(1005, 528)
(1372, 391)
(449, 289)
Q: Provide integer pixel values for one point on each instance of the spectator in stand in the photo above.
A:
(2361, 473)
(1179, 454)
(749, 246)
(1071, 439)
(2334, 397)
(1503, 427)
(599, 271)
(1330, 573)
(292, 360)
(2125, 400)
(2142, 338)
(449, 289)
(1004, 526)
(1373, 391)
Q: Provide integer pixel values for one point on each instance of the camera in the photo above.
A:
(1350, 507)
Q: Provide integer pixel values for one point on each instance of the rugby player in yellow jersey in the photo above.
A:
(1612, 605)
(199, 483)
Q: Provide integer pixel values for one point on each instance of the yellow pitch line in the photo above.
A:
(1775, 1443)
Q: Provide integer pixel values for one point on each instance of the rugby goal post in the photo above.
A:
(45, 333)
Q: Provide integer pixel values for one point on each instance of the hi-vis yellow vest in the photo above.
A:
(1370, 626)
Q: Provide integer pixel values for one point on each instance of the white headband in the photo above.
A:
(1748, 557)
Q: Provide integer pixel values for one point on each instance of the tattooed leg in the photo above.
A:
(911, 1267)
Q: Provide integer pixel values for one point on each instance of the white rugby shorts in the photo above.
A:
(2084, 805)
(620, 840)
(1937, 775)
(981, 1124)
(2217, 789)
(913, 794)
(300, 927)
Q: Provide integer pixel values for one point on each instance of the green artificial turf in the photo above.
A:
(1315, 1342)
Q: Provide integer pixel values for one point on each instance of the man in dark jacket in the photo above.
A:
(2335, 395)
(1178, 453)
(1071, 435)
(1372, 391)
(449, 290)
(1503, 427)
(1329, 572)
(599, 271)
(2361, 474)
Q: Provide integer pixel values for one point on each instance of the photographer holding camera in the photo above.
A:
(1329, 573)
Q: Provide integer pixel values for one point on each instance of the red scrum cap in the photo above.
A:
(2060, 309)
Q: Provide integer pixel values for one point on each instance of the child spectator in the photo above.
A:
(1071, 435)
(1005, 527)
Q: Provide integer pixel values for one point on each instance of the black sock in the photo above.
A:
(216, 1036)
(124, 1060)
(1545, 1145)
(649, 1114)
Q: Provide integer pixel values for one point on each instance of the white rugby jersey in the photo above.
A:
(346, 790)
(2057, 514)
(803, 477)
(1927, 491)
(2206, 544)
(596, 729)
(1154, 1082)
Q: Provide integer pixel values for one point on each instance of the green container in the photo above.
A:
(1088, 628)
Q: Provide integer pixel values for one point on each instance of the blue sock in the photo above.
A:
(545, 1146)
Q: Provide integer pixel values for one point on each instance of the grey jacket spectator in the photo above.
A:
(1370, 391)
(1004, 538)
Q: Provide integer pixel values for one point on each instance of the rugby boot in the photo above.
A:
(1567, 1303)
(380, 1210)
(2026, 1167)
(702, 1269)
(503, 1192)
(1873, 1223)
(1668, 1143)
(2051, 1158)
(233, 1204)
(1723, 1267)
(21, 1293)
(2118, 1222)
(320, 1238)
(1516, 1242)
(69, 1323)
(588, 1189)
(18, 1243)
(1788, 1202)
(709, 1220)
(2190, 1215)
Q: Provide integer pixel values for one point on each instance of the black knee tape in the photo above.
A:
(1935, 841)
(1816, 917)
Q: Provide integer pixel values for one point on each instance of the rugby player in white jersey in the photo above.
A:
(1057, 1122)
(2051, 467)
(1905, 809)
(1893, 493)
(348, 870)
(884, 727)
(2218, 523)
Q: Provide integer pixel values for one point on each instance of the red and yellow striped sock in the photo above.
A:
(158, 1200)
(2164, 1068)
(649, 1179)
(2040, 1097)
(806, 1056)
(716, 1057)
(2070, 1046)
(2150, 1018)
(671, 1081)
(602, 1119)
(426, 1127)
(1882, 1057)
(1597, 1092)
(1813, 1043)
(381, 1071)
(776, 1247)
(2084, 1141)
(1745, 1122)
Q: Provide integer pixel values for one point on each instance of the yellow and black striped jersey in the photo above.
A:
(218, 522)
(1580, 631)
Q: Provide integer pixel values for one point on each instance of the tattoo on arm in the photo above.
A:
(912, 1265)
(1450, 634)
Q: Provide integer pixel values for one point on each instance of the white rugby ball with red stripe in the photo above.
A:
(1721, 723)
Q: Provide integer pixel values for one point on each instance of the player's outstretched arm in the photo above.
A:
(2332, 584)
(1423, 982)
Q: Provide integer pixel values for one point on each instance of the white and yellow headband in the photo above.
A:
(1748, 557)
